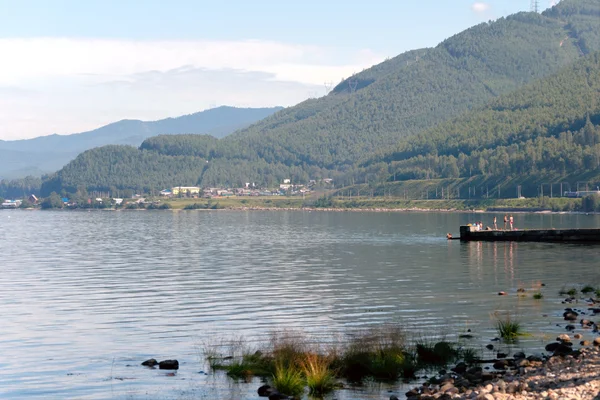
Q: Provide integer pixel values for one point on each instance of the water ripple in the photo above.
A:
(86, 295)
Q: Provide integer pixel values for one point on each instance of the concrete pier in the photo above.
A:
(469, 233)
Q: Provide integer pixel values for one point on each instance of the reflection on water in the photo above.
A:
(87, 296)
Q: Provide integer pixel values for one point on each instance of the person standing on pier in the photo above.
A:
(495, 225)
(505, 220)
(511, 222)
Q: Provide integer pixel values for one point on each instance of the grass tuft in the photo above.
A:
(538, 295)
(379, 353)
(288, 380)
(588, 289)
(508, 328)
(431, 353)
(470, 355)
(320, 378)
(572, 291)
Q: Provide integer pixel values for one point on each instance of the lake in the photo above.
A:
(87, 296)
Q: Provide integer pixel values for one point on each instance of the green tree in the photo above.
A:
(26, 204)
(52, 201)
(590, 203)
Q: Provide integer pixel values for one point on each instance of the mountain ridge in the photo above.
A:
(51, 152)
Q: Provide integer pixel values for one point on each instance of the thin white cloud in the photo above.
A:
(24, 59)
(71, 85)
(480, 7)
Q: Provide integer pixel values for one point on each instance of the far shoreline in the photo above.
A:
(540, 205)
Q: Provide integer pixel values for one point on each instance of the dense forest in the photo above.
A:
(20, 188)
(475, 104)
(550, 126)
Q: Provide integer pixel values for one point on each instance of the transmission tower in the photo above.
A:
(328, 87)
(352, 84)
(535, 6)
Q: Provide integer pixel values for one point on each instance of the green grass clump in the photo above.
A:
(538, 295)
(572, 291)
(588, 289)
(319, 377)
(431, 353)
(508, 328)
(469, 355)
(288, 380)
(238, 370)
(378, 353)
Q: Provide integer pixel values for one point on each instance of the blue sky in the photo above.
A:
(76, 65)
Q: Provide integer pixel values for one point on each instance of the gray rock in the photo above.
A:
(150, 363)
(570, 315)
(265, 390)
(523, 363)
(168, 364)
(552, 346)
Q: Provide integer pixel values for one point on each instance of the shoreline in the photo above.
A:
(319, 209)
(571, 376)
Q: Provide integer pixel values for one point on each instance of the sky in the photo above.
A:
(69, 66)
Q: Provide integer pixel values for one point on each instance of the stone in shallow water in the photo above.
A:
(168, 364)
(150, 363)
(265, 390)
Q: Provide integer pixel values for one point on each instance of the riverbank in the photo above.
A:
(378, 204)
(323, 203)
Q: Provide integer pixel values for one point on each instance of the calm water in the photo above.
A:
(87, 296)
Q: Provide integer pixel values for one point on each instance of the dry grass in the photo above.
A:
(320, 378)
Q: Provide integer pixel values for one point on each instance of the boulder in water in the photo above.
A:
(168, 364)
(150, 363)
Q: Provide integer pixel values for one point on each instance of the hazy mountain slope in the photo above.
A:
(49, 153)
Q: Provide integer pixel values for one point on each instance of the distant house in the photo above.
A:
(32, 199)
(185, 190)
(65, 200)
(11, 204)
(118, 201)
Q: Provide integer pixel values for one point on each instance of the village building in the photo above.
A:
(185, 190)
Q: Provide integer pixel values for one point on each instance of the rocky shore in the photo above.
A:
(567, 375)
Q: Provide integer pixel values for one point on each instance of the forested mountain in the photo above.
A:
(548, 128)
(376, 110)
(420, 89)
(49, 153)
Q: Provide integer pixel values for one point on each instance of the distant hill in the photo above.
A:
(370, 113)
(48, 153)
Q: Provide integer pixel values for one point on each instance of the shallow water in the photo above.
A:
(87, 296)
